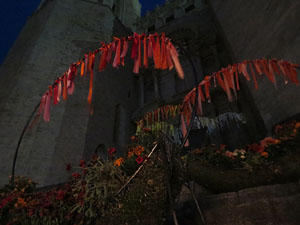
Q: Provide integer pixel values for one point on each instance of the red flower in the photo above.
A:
(95, 157)
(30, 213)
(82, 163)
(139, 159)
(111, 151)
(278, 128)
(41, 214)
(5, 201)
(68, 167)
(61, 195)
(68, 216)
(222, 147)
(146, 129)
(75, 175)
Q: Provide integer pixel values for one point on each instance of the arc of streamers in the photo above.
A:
(156, 47)
(228, 79)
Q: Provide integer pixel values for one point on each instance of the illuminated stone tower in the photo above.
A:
(58, 33)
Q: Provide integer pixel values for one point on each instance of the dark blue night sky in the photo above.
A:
(13, 15)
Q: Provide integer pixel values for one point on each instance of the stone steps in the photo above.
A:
(272, 211)
(265, 205)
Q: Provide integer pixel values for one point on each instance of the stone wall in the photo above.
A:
(273, 205)
(55, 36)
(270, 29)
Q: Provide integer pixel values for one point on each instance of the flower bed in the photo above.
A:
(273, 160)
(92, 196)
(96, 195)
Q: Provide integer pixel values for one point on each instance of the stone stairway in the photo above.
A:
(264, 205)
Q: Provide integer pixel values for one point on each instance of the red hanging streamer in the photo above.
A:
(138, 59)
(65, 88)
(220, 81)
(156, 53)
(199, 109)
(47, 106)
(91, 70)
(82, 68)
(175, 59)
(169, 59)
(150, 46)
(102, 64)
(85, 62)
(145, 52)
(117, 59)
(184, 130)
(124, 51)
(55, 92)
(109, 53)
(163, 54)
(242, 67)
(134, 48)
(253, 75)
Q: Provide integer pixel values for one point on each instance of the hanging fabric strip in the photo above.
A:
(109, 53)
(175, 59)
(40, 111)
(59, 90)
(42, 104)
(228, 82)
(138, 59)
(91, 88)
(293, 73)
(206, 87)
(134, 49)
(163, 54)
(91, 70)
(145, 52)
(199, 108)
(257, 67)
(275, 67)
(253, 75)
(117, 59)
(271, 72)
(192, 98)
(227, 88)
(124, 51)
(55, 91)
(264, 65)
(215, 81)
(65, 88)
(85, 63)
(280, 64)
(47, 107)
(184, 130)
(235, 66)
(243, 70)
(169, 59)
(150, 46)
(231, 70)
(102, 64)
(156, 53)
(82, 68)
(220, 81)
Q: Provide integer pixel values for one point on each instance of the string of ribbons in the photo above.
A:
(219, 122)
(228, 79)
(143, 47)
(159, 115)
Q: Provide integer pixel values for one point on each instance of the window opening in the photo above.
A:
(190, 8)
(170, 18)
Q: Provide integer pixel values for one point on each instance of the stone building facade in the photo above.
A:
(191, 26)
(58, 33)
(61, 31)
